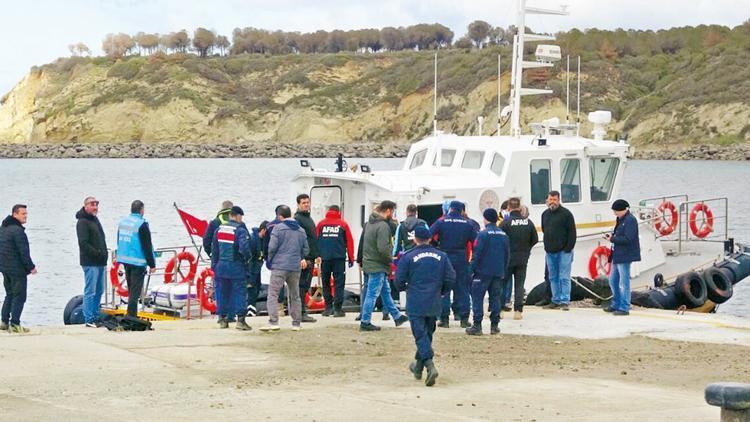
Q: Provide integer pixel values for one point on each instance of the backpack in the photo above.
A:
(126, 323)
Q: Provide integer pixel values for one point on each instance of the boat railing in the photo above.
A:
(663, 212)
(704, 220)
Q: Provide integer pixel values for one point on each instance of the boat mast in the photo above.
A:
(434, 101)
(517, 89)
(499, 82)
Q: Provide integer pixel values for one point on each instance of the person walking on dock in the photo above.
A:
(302, 216)
(15, 266)
(523, 236)
(426, 274)
(230, 252)
(626, 249)
(454, 235)
(92, 248)
(336, 247)
(376, 264)
(222, 217)
(559, 228)
(135, 251)
(489, 263)
(287, 250)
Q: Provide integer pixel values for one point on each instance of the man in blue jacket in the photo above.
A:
(626, 249)
(230, 252)
(454, 233)
(426, 274)
(488, 265)
(15, 265)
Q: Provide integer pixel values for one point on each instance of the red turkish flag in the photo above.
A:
(194, 225)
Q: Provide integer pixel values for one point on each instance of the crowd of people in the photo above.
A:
(447, 267)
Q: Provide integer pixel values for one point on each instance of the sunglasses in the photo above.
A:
(92, 203)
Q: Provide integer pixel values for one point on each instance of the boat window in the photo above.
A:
(472, 159)
(498, 162)
(570, 180)
(418, 159)
(540, 180)
(446, 157)
(603, 173)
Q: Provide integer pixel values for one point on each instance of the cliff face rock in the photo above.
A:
(330, 99)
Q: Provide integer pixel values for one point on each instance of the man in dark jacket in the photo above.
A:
(522, 235)
(230, 253)
(559, 228)
(254, 266)
(336, 246)
(92, 248)
(376, 264)
(302, 216)
(626, 249)
(222, 217)
(454, 234)
(287, 250)
(404, 239)
(489, 262)
(135, 252)
(15, 265)
(426, 274)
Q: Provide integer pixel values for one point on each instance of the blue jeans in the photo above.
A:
(619, 281)
(461, 289)
(493, 285)
(231, 297)
(92, 292)
(559, 265)
(422, 328)
(377, 285)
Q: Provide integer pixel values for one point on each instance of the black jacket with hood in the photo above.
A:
(15, 260)
(92, 246)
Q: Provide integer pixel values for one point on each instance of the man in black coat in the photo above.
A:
(302, 216)
(15, 265)
(522, 234)
(559, 228)
(92, 247)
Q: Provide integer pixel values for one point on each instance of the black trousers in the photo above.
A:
(518, 273)
(15, 298)
(253, 289)
(305, 281)
(337, 269)
(134, 276)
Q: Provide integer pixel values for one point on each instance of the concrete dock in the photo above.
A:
(552, 365)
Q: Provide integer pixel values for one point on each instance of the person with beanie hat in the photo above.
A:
(487, 271)
(626, 249)
(426, 274)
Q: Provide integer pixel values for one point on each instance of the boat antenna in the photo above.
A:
(578, 92)
(499, 109)
(567, 93)
(434, 99)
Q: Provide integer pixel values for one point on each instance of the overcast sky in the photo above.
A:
(39, 31)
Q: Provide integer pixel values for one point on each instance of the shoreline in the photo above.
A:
(297, 150)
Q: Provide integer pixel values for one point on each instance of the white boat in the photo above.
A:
(482, 171)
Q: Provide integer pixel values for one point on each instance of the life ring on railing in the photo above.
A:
(205, 296)
(661, 225)
(599, 262)
(172, 270)
(118, 280)
(708, 222)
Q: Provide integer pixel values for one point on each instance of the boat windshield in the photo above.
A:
(603, 172)
(418, 159)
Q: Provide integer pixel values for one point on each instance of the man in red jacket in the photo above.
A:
(336, 246)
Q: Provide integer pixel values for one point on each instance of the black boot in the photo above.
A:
(358, 318)
(223, 323)
(475, 330)
(495, 328)
(386, 317)
(416, 368)
(327, 312)
(465, 323)
(432, 373)
(242, 325)
(444, 323)
(338, 312)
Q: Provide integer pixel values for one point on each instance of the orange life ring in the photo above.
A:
(599, 262)
(206, 294)
(170, 273)
(117, 279)
(661, 225)
(708, 221)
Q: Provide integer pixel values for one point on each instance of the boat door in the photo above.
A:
(322, 197)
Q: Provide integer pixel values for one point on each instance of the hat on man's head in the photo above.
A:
(422, 232)
(457, 205)
(620, 205)
(490, 214)
(236, 211)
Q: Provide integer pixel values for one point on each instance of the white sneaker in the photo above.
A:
(270, 328)
(90, 325)
(296, 328)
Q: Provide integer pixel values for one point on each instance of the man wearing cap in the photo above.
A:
(488, 265)
(626, 249)
(454, 234)
(426, 274)
(221, 218)
(230, 252)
